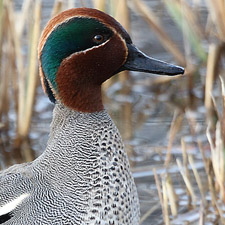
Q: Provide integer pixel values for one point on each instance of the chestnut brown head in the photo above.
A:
(81, 48)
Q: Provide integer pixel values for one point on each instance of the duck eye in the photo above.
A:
(98, 38)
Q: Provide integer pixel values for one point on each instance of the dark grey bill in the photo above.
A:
(138, 61)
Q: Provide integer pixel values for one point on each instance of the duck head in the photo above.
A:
(81, 48)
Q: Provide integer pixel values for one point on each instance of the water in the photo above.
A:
(153, 107)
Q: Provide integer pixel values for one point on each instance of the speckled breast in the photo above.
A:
(89, 171)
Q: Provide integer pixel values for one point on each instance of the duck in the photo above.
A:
(83, 176)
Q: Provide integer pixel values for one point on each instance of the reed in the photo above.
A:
(155, 25)
(57, 8)
(188, 22)
(210, 58)
(171, 196)
(3, 79)
(174, 128)
(203, 55)
(31, 74)
(100, 4)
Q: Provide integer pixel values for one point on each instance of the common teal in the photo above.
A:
(83, 177)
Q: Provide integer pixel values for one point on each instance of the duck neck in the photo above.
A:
(82, 98)
(64, 116)
(72, 136)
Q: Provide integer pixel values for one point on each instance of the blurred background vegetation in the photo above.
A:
(174, 128)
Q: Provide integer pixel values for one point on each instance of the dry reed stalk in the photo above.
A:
(5, 81)
(222, 121)
(187, 21)
(187, 182)
(31, 77)
(211, 178)
(23, 17)
(122, 13)
(211, 183)
(2, 77)
(9, 73)
(174, 128)
(204, 159)
(220, 209)
(212, 68)
(19, 74)
(71, 4)
(159, 190)
(171, 195)
(187, 174)
(7, 57)
(165, 203)
(5, 70)
(27, 154)
(217, 150)
(57, 8)
(218, 159)
(4, 92)
(217, 11)
(2, 15)
(197, 177)
(193, 18)
(202, 213)
(19, 61)
(100, 4)
(13, 76)
(154, 23)
(184, 156)
(149, 212)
